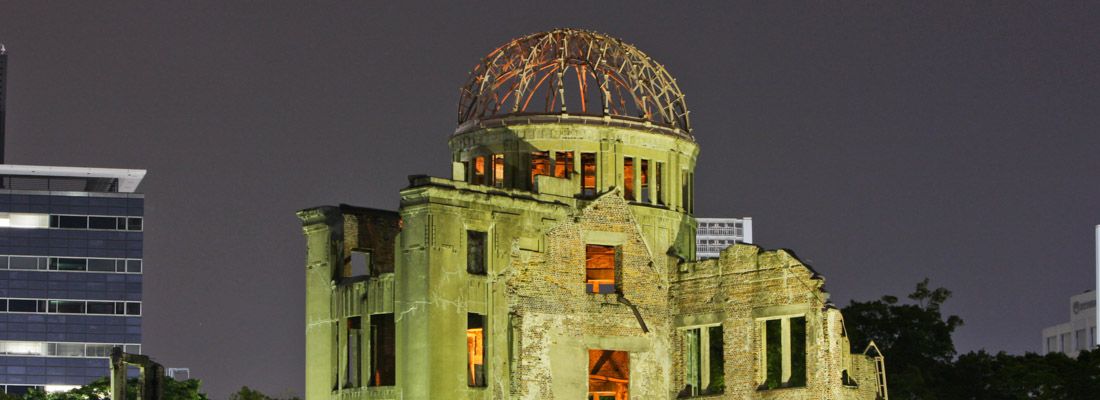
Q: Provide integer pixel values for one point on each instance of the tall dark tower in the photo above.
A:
(3, 95)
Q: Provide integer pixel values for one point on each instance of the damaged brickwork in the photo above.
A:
(557, 262)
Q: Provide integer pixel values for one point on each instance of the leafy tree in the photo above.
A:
(100, 389)
(247, 393)
(915, 338)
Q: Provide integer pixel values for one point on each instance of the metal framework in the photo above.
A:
(572, 72)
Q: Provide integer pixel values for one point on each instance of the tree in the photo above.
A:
(915, 338)
(100, 389)
(247, 393)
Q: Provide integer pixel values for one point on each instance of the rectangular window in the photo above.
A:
(540, 165)
(475, 350)
(383, 371)
(66, 306)
(23, 348)
(645, 181)
(783, 355)
(478, 175)
(658, 183)
(101, 307)
(101, 265)
(354, 356)
(133, 224)
(29, 263)
(498, 170)
(588, 174)
(563, 164)
(133, 266)
(68, 264)
(628, 178)
(23, 305)
(601, 265)
(24, 220)
(1080, 339)
(475, 252)
(608, 375)
(69, 222)
(358, 264)
(102, 223)
(704, 361)
(1052, 344)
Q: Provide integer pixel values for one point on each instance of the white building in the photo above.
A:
(715, 234)
(1077, 334)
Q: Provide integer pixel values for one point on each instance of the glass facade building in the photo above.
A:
(70, 273)
(715, 234)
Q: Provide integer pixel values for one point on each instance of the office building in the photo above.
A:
(716, 234)
(1077, 334)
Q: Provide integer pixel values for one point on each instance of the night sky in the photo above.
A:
(883, 142)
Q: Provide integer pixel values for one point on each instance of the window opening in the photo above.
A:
(478, 175)
(628, 178)
(784, 351)
(475, 252)
(588, 174)
(704, 361)
(563, 164)
(355, 349)
(358, 264)
(498, 170)
(540, 165)
(601, 265)
(658, 183)
(645, 181)
(608, 375)
(475, 350)
(382, 349)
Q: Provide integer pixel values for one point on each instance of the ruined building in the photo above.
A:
(558, 262)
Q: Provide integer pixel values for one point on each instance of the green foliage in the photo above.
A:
(100, 389)
(247, 393)
(921, 363)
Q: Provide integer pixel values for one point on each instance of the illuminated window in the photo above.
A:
(645, 181)
(608, 375)
(475, 350)
(601, 265)
(24, 220)
(588, 174)
(478, 175)
(628, 178)
(783, 361)
(563, 164)
(383, 371)
(540, 165)
(704, 361)
(498, 170)
(475, 252)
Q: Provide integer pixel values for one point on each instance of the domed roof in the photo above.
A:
(573, 72)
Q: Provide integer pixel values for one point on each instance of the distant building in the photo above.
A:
(716, 234)
(1077, 334)
(70, 270)
(179, 374)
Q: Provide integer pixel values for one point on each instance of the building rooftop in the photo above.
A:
(69, 179)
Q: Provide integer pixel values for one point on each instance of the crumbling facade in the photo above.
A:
(557, 262)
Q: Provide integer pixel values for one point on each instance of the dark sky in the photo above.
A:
(883, 142)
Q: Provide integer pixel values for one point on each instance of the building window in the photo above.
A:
(1063, 346)
(478, 175)
(498, 170)
(475, 350)
(358, 263)
(540, 165)
(658, 183)
(783, 352)
(608, 375)
(628, 178)
(24, 220)
(563, 164)
(383, 371)
(1052, 344)
(645, 181)
(475, 252)
(1080, 339)
(355, 353)
(588, 174)
(704, 361)
(600, 267)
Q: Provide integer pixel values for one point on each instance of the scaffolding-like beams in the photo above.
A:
(569, 71)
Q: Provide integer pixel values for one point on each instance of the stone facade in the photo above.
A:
(484, 285)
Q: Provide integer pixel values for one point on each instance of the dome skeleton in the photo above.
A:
(627, 83)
